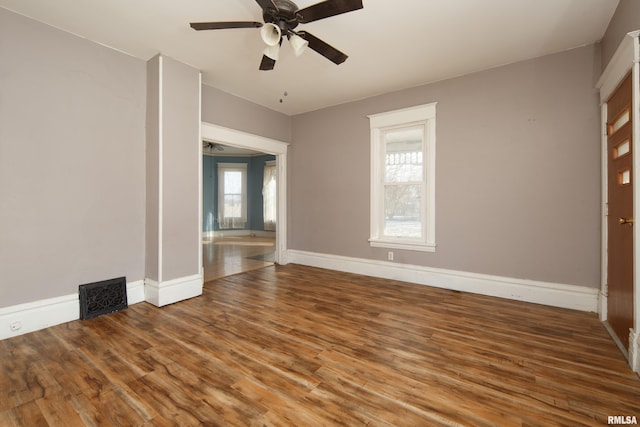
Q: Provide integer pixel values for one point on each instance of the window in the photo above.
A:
(269, 196)
(403, 152)
(232, 195)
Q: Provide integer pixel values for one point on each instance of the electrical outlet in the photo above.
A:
(15, 326)
(390, 256)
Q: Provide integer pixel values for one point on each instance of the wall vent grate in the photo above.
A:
(102, 297)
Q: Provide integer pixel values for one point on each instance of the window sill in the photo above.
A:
(403, 244)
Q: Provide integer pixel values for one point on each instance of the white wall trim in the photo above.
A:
(281, 214)
(164, 293)
(36, 315)
(160, 163)
(602, 305)
(553, 294)
(604, 212)
(634, 342)
(236, 138)
(618, 67)
(200, 180)
(135, 292)
(218, 234)
(634, 351)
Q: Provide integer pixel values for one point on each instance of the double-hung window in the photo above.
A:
(232, 195)
(403, 144)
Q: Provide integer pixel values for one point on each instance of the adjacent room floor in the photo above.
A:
(225, 256)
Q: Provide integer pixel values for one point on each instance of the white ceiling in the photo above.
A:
(392, 44)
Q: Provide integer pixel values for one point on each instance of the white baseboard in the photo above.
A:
(135, 292)
(553, 294)
(634, 351)
(24, 318)
(218, 234)
(602, 306)
(53, 311)
(170, 291)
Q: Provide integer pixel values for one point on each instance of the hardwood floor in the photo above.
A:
(292, 345)
(230, 255)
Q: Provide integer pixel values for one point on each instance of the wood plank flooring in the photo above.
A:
(225, 256)
(300, 346)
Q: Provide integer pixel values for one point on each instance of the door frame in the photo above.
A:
(625, 59)
(235, 138)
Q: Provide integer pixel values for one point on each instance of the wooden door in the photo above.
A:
(620, 219)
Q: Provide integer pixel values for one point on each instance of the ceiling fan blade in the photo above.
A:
(266, 4)
(224, 25)
(324, 49)
(328, 8)
(267, 63)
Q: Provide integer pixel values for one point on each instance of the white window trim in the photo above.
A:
(420, 115)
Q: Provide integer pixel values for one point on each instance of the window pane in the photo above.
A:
(233, 205)
(621, 149)
(624, 177)
(233, 182)
(232, 195)
(402, 211)
(403, 154)
(622, 120)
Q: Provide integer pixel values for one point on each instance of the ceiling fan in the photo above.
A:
(281, 17)
(212, 146)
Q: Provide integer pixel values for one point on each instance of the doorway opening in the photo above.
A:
(243, 202)
(239, 210)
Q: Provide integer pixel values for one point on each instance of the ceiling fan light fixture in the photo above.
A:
(280, 18)
(298, 44)
(272, 52)
(270, 34)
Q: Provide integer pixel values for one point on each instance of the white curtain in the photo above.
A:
(269, 196)
(232, 195)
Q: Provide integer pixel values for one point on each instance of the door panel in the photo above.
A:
(620, 220)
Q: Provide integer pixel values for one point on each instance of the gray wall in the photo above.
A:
(180, 182)
(625, 19)
(517, 178)
(173, 157)
(71, 162)
(152, 172)
(227, 110)
(518, 172)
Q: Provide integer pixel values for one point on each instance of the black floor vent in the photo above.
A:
(102, 297)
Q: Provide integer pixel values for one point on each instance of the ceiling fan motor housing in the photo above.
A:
(286, 17)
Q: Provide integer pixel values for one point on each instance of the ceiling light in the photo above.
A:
(298, 44)
(272, 52)
(270, 34)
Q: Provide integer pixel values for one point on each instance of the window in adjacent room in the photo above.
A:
(232, 195)
(269, 196)
(403, 147)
